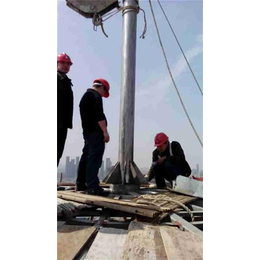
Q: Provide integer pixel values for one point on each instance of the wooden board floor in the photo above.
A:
(108, 244)
(143, 241)
(70, 239)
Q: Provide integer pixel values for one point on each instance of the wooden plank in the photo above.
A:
(71, 239)
(108, 244)
(110, 203)
(143, 242)
(92, 198)
(181, 245)
(66, 184)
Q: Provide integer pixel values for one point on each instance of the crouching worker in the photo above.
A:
(168, 161)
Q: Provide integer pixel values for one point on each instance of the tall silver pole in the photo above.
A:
(126, 130)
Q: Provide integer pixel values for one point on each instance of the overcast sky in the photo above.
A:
(157, 106)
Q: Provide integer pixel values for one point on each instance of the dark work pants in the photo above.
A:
(166, 170)
(61, 138)
(90, 161)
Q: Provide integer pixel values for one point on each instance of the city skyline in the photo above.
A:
(63, 165)
(106, 166)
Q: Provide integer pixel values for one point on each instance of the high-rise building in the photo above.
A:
(108, 165)
(102, 171)
(72, 169)
(67, 166)
(77, 163)
(198, 170)
(194, 172)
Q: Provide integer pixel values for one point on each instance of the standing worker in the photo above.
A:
(168, 161)
(65, 102)
(94, 124)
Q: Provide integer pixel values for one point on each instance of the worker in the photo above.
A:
(65, 102)
(95, 134)
(168, 161)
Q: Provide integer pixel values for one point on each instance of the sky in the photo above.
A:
(157, 106)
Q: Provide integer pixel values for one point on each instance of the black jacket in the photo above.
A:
(65, 101)
(91, 111)
(177, 157)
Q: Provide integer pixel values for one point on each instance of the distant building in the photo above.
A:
(108, 165)
(71, 169)
(77, 163)
(198, 170)
(102, 173)
(67, 165)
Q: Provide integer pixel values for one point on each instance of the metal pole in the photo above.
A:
(126, 130)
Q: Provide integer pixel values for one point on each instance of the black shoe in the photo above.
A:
(81, 188)
(98, 192)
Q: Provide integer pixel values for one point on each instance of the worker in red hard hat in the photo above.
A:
(95, 133)
(64, 102)
(168, 161)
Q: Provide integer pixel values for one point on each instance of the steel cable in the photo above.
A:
(181, 48)
(159, 37)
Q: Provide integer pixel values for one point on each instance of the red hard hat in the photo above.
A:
(64, 57)
(105, 84)
(160, 139)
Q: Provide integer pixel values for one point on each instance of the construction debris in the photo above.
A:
(188, 186)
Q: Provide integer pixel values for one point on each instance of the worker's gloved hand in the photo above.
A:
(106, 137)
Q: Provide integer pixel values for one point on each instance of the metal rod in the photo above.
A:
(126, 130)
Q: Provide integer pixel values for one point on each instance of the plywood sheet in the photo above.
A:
(180, 245)
(143, 242)
(70, 239)
(108, 244)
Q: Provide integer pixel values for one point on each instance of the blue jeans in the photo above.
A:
(91, 161)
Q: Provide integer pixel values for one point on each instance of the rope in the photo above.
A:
(145, 25)
(98, 20)
(136, 9)
(167, 199)
(172, 76)
(112, 13)
(103, 30)
(180, 48)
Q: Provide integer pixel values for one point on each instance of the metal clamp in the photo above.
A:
(130, 8)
